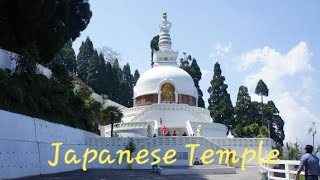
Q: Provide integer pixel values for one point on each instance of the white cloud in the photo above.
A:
(277, 70)
(220, 50)
(205, 73)
(274, 66)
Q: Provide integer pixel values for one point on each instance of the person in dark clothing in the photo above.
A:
(154, 135)
(196, 162)
(310, 162)
(184, 134)
(174, 133)
(168, 134)
(155, 165)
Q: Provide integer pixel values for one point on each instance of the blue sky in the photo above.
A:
(277, 41)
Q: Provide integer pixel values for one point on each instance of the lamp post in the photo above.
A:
(313, 131)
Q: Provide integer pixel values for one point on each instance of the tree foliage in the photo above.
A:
(67, 57)
(83, 58)
(292, 151)
(48, 24)
(111, 115)
(220, 106)
(194, 71)
(154, 47)
(136, 76)
(127, 84)
(276, 124)
(262, 89)
(50, 99)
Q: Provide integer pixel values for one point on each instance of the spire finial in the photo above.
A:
(164, 16)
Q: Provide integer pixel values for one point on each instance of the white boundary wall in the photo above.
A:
(8, 61)
(25, 145)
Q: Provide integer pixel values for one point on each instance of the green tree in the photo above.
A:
(276, 124)
(67, 57)
(154, 47)
(292, 151)
(96, 78)
(262, 90)
(220, 106)
(136, 76)
(126, 84)
(48, 24)
(194, 71)
(93, 74)
(109, 81)
(83, 59)
(243, 113)
(117, 80)
(318, 149)
(111, 115)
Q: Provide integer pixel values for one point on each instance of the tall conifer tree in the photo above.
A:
(117, 78)
(194, 71)
(67, 57)
(109, 80)
(93, 74)
(127, 87)
(243, 112)
(276, 124)
(83, 59)
(136, 76)
(220, 106)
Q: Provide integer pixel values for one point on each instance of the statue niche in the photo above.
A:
(167, 93)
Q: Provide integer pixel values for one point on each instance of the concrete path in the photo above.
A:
(252, 173)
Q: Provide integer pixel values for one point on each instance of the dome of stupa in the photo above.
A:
(151, 81)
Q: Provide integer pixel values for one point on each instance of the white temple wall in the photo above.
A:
(170, 118)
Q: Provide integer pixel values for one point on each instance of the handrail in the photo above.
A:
(197, 111)
(180, 141)
(289, 170)
(129, 125)
(241, 141)
(208, 124)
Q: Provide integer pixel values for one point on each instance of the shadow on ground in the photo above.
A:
(115, 174)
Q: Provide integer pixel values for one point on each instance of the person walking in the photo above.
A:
(310, 162)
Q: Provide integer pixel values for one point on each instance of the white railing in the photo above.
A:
(189, 129)
(201, 114)
(288, 173)
(133, 111)
(171, 141)
(114, 141)
(208, 125)
(125, 126)
(246, 142)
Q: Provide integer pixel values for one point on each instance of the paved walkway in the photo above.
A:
(252, 173)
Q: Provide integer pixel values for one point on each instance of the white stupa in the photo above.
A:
(165, 97)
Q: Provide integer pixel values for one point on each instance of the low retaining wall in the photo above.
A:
(25, 145)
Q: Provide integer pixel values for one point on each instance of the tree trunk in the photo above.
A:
(111, 126)
(262, 110)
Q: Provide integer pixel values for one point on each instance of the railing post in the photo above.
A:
(287, 169)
